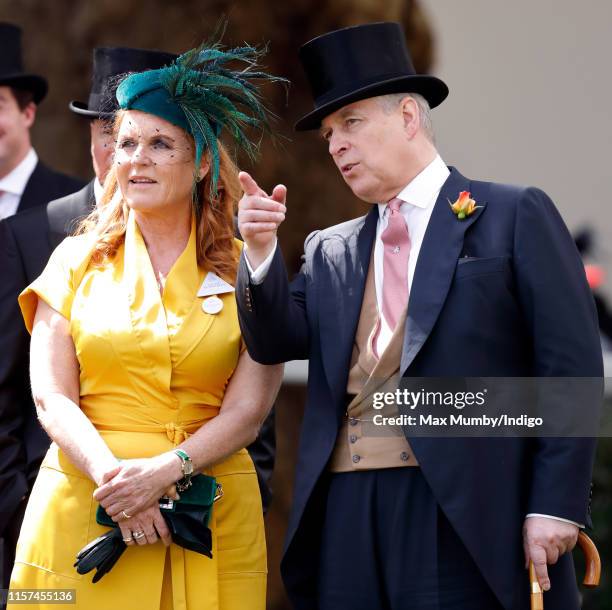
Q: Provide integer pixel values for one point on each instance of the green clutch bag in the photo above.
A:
(197, 500)
(187, 520)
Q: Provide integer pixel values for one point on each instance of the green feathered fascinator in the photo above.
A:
(203, 95)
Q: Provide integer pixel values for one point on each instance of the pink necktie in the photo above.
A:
(396, 244)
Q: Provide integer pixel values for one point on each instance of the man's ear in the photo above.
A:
(29, 114)
(410, 114)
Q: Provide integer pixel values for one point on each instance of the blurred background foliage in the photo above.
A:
(59, 37)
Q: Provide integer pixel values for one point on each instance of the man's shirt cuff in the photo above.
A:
(259, 275)
(580, 525)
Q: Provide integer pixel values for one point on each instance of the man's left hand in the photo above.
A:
(544, 541)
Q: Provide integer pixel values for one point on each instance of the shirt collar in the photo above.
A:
(15, 181)
(98, 190)
(422, 190)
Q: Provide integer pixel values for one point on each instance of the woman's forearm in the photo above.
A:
(54, 374)
(220, 437)
(76, 436)
(248, 400)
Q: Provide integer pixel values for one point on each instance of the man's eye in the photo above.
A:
(352, 121)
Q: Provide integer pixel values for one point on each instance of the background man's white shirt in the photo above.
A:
(14, 183)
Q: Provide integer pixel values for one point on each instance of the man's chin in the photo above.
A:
(366, 197)
(361, 193)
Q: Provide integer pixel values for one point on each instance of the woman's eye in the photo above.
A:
(160, 144)
(126, 144)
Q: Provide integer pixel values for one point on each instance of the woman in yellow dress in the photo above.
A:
(136, 352)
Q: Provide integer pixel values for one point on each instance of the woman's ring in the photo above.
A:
(126, 515)
(138, 535)
(130, 539)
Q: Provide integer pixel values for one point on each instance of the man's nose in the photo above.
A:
(337, 145)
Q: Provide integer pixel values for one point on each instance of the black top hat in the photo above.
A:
(360, 62)
(11, 64)
(108, 64)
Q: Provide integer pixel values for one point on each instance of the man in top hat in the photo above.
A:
(25, 182)
(415, 289)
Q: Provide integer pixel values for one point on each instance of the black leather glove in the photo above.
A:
(101, 553)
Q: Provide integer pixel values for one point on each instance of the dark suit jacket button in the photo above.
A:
(356, 458)
(405, 457)
(353, 438)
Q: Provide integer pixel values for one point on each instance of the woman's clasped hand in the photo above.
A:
(130, 494)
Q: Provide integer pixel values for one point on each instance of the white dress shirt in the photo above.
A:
(14, 183)
(419, 197)
(98, 190)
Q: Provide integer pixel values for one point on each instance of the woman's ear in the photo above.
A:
(204, 167)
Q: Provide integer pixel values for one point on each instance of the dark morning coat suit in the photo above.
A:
(519, 305)
(44, 185)
(26, 242)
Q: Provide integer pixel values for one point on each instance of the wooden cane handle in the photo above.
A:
(591, 577)
(537, 597)
(592, 560)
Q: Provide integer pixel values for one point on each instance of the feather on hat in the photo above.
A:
(200, 93)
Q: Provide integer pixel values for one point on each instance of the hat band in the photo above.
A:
(352, 86)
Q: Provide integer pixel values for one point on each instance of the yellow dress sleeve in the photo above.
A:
(57, 283)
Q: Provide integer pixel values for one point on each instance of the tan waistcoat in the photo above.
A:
(362, 445)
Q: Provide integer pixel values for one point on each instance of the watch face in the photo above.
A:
(188, 467)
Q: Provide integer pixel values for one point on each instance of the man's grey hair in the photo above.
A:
(390, 102)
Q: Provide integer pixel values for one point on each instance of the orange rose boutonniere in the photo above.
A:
(464, 206)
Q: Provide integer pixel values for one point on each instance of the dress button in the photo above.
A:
(356, 458)
(405, 457)
(353, 438)
(352, 421)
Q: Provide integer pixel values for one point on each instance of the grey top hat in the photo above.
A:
(11, 64)
(109, 64)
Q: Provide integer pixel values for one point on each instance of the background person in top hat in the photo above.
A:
(25, 182)
(413, 289)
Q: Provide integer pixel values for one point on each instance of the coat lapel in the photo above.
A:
(186, 321)
(63, 214)
(34, 192)
(436, 266)
(345, 259)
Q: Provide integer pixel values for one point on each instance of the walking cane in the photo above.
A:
(591, 576)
